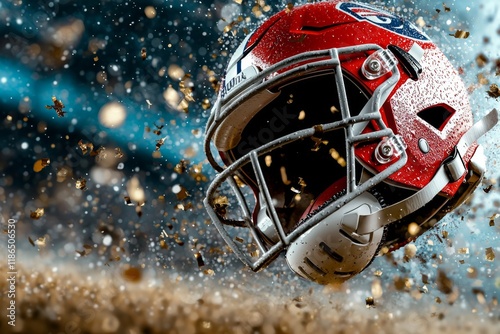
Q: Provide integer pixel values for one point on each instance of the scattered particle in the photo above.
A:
(150, 12)
(220, 204)
(81, 184)
(494, 91)
(492, 219)
(180, 192)
(413, 229)
(289, 7)
(199, 259)
(31, 241)
(479, 295)
(488, 188)
(181, 166)
(41, 242)
(209, 272)
(460, 34)
(40, 164)
(378, 273)
(444, 283)
(58, 106)
(149, 104)
(370, 302)
(481, 60)
(159, 143)
(489, 254)
(205, 104)
(118, 153)
(410, 251)
(112, 115)
(85, 147)
(132, 274)
(37, 214)
(377, 290)
(144, 54)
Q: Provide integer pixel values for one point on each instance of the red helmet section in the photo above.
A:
(438, 90)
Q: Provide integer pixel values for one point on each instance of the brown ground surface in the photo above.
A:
(64, 301)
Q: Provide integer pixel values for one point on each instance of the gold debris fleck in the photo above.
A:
(118, 153)
(132, 274)
(196, 173)
(463, 250)
(444, 283)
(40, 164)
(178, 240)
(180, 192)
(159, 143)
(460, 34)
(238, 239)
(220, 205)
(58, 106)
(85, 147)
(40, 242)
(370, 302)
(199, 260)
(205, 104)
(410, 251)
(181, 167)
(479, 295)
(289, 7)
(490, 254)
(378, 273)
(37, 214)
(268, 160)
(144, 54)
(494, 91)
(209, 272)
(481, 60)
(81, 184)
(150, 12)
(413, 229)
(377, 290)
(163, 244)
(302, 115)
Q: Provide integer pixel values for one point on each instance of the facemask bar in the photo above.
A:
(268, 78)
(352, 126)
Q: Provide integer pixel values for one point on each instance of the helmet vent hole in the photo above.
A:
(437, 116)
(305, 274)
(331, 253)
(314, 266)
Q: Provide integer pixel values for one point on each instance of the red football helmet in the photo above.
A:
(341, 129)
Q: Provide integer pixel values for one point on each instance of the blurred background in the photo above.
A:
(103, 107)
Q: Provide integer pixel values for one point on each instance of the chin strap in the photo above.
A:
(451, 170)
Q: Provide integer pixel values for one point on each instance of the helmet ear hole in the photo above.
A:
(331, 251)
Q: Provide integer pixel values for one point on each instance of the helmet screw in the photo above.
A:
(374, 65)
(386, 150)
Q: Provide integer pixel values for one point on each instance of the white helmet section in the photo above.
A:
(238, 71)
(331, 251)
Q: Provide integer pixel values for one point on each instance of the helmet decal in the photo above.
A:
(382, 19)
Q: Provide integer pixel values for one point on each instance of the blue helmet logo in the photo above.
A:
(382, 19)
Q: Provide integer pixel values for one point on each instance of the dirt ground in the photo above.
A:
(66, 301)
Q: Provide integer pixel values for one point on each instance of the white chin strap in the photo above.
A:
(332, 251)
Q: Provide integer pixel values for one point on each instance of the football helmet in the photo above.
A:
(341, 130)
